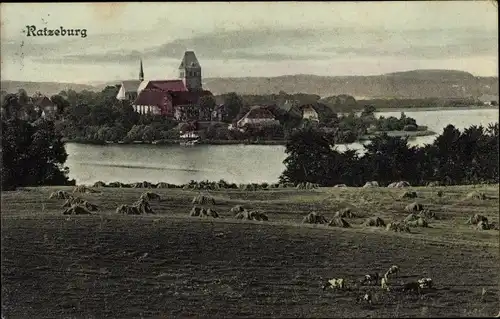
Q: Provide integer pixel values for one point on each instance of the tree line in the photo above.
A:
(455, 157)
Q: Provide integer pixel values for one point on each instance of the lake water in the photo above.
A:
(233, 163)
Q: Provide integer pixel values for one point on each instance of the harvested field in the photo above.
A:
(171, 265)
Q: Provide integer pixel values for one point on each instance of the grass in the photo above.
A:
(170, 265)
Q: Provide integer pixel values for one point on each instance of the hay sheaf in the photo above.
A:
(409, 194)
(138, 208)
(477, 195)
(419, 222)
(236, 209)
(203, 200)
(150, 196)
(371, 184)
(314, 218)
(398, 227)
(411, 218)
(399, 184)
(428, 214)
(99, 184)
(143, 206)
(252, 215)
(339, 222)
(374, 222)
(476, 218)
(414, 207)
(307, 185)
(81, 202)
(84, 189)
(60, 195)
(128, 210)
(345, 213)
(76, 210)
(165, 185)
(483, 225)
(203, 212)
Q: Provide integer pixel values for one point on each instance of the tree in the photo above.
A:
(233, 104)
(61, 103)
(309, 159)
(207, 105)
(368, 111)
(32, 155)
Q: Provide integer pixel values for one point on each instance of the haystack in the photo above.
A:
(483, 225)
(150, 196)
(84, 189)
(340, 185)
(339, 222)
(410, 218)
(142, 185)
(76, 210)
(419, 222)
(398, 227)
(432, 184)
(60, 195)
(252, 215)
(428, 214)
(203, 200)
(476, 218)
(237, 209)
(115, 184)
(99, 184)
(185, 187)
(162, 185)
(399, 184)
(374, 221)
(477, 195)
(409, 194)
(81, 202)
(314, 218)
(345, 213)
(128, 210)
(202, 212)
(371, 184)
(414, 207)
(143, 206)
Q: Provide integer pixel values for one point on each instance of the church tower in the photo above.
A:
(190, 71)
(141, 73)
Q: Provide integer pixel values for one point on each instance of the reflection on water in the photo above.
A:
(233, 163)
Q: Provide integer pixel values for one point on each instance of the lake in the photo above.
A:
(233, 163)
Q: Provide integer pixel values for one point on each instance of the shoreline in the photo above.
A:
(426, 109)
(177, 142)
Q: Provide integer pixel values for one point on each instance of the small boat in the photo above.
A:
(189, 143)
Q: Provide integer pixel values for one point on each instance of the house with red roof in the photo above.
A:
(177, 98)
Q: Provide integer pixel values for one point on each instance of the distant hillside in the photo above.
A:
(47, 88)
(410, 84)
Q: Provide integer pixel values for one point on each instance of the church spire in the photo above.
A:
(141, 73)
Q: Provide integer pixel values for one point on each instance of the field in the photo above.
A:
(171, 265)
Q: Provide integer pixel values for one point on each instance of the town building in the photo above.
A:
(257, 116)
(44, 106)
(309, 113)
(177, 98)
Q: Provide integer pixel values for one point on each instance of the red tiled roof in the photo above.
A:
(166, 85)
(150, 97)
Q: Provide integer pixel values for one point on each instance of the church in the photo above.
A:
(170, 98)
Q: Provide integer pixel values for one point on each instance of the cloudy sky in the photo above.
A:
(248, 39)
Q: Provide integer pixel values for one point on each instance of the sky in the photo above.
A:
(241, 39)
